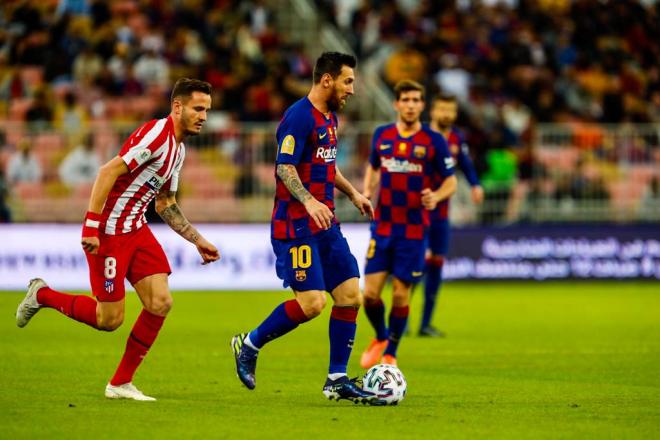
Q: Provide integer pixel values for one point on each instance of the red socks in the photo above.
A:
(142, 335)
(82, 308)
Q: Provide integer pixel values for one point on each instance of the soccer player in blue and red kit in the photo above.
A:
(444, 111)
(404, 157)
(118, 243)
(312, 255)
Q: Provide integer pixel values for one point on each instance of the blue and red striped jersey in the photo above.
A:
(460, 151)
(307, 139)
(407, 165)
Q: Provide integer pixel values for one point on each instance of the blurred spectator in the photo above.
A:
(452, 78)
(152, 69)
(649, 205)
(80, 166)
(70, 117)
(405, 63)
(5, 212)
(87, 66)
(516, 117)
(23, 166)
(40, 113)
(498, 182)
(12, 86)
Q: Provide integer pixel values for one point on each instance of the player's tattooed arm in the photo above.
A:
(319, 212)
(291, 180)
(171, 214)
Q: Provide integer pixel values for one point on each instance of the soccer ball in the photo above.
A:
(387, 382)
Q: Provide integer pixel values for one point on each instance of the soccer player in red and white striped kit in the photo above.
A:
(118, 243)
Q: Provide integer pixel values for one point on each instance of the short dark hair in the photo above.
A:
(332, 62)
(185, 87)
(445, 97)
(408, 85)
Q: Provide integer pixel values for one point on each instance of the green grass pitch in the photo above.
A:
(545, 360)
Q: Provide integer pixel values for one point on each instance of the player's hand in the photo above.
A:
(207, 250)
(363, 205)
(429, 199)
(319, 212)
(90, 244)
(477, 194)
(90, 232)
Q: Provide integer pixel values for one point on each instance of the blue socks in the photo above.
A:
(431, 290)
(342, 334)
(281, 321)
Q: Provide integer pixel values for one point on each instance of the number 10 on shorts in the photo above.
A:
(301, 257)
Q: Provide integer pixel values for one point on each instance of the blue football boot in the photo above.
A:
(246, 360)
(349, 389)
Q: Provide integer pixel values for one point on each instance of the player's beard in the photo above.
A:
(334, 103)
(186, 122)
(444, 124)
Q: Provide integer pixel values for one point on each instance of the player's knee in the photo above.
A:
(315, 305)
(371, 297)
(161, 306)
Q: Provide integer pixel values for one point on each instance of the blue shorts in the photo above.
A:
(319, 262)
(402, 257)
(439, 237)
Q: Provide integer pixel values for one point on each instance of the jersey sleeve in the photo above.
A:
(465, 162)
(292, 134)
(374, 156)
(443, 162)
(172, 185)
(142, 146)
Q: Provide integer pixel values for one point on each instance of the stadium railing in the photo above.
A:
(579, 173)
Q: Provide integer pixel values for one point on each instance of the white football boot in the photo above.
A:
(29, 306)
(126, 391)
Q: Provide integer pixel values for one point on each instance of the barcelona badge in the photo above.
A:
(419, 151)
(301, 275)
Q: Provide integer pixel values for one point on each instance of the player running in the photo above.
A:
(404, 157)
(312, 254)
(118, 243)
(444, 111)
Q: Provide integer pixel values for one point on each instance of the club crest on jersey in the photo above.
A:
(453, 149)
(326, 153)
(143, 156)
(155, 182)
(288, 145)
(109, 286)
(419, 151)
(301, 275)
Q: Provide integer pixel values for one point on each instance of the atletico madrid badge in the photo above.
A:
(109, 286)
(301, 275)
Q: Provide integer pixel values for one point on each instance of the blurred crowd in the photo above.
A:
(515, 63)
(547, 60)
(69, 64)
(89, 51)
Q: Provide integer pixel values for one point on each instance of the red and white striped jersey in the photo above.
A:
(154, 161)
